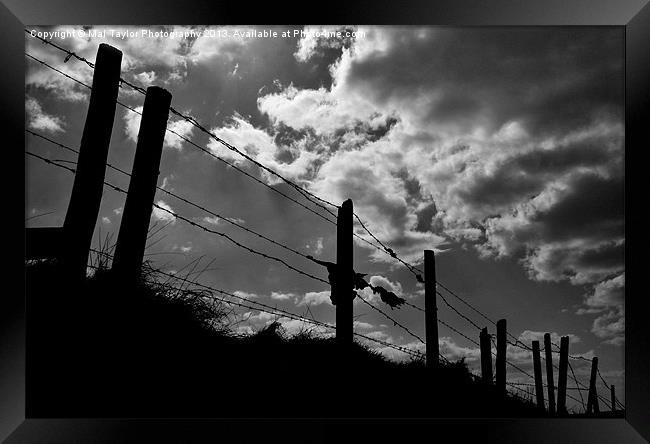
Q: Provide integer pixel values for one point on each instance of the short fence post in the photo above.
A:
(486, 356)
(562, 375)
(132, 238)
(88, 186)
(501, 356)
(592, 399)
(537, 369)
(344, 269)
(548, 351)
(430, 310)
(613, 394)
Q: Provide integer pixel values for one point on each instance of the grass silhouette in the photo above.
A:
(101, 348)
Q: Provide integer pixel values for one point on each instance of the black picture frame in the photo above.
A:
(633, 15)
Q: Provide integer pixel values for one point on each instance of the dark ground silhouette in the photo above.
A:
(98, 349)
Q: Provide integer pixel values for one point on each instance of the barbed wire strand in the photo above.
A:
(406, 329)
(183, 199)
(194, 224)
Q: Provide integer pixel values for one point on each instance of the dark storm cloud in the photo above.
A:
(526, 173)
(564, 158)
(499, 191)
(425, 218)
(593, 209)
(551, 80)
(608, 256)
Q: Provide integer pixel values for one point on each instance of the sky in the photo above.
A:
(501, 149)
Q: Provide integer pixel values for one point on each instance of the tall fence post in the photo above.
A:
(562, 375)
(43, 242)
(486, 356)
(592, 399)
(501, 356)
(344, 283)
(87, 189)
(132, 238)
(612, 391)
(537, 369)
(548, 351)
(431, 310)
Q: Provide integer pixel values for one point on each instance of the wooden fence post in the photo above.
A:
(87, 189)
(486, 356)
(431, 310)
(562, 375)
(344, 283)
(592, 399)
(537, 369)
(132, 238)
(612, 391)
(548, 351)
(43, 242)
(501, 356)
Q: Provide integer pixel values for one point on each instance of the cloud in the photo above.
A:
(278, 296)
(210, 45)
(40, 120)
(527, 337)
(316, 109)
(315, 298)
(182, 248)
(313, 40)
(381, 281)
(180, 127)
(245, 295)
(292, 161)
(380, 194)
(607, 294)
(169, 57)
(362, 325)
(455, 352)
(607, 300)
(610, 327)
(521, 153)
(261, 316)
(146, 78)
(212, 220)
(161, 214)
(318, 246)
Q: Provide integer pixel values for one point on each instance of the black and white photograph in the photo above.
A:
(348, 221)
(380, 210)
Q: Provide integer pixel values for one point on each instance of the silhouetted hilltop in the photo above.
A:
(98, 348)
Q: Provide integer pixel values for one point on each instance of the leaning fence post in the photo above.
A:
(344, 283)
(613, 395)
(132, 238)
(486, 356)
(592, 399)
(548, 351)
(430, 309)
(562, 375)
(537, 369)
(87, 189)
(501, 356)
